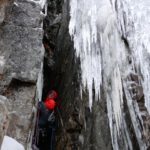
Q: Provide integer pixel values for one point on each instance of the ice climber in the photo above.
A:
(47, 122)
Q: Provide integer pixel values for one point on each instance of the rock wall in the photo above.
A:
(21, 58)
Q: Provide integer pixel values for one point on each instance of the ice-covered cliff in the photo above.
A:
(96, 57)
(112, 40)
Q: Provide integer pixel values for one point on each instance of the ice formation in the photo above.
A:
(98, 29)
(137, 21)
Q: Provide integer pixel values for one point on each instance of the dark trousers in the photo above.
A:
(47, 138)
(51, 138)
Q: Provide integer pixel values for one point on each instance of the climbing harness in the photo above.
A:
(43, 133)
(45, 128)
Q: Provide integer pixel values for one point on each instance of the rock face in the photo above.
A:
(21, 58)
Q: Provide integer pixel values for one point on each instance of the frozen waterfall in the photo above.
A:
(112, 40)
(136, 16)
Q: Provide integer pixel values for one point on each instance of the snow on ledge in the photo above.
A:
(42, 3)
(2, 64)
(11, 144)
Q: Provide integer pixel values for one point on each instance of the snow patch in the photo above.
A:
(2, 64)
(11, 144)
(42, 3)
(40, 84)
(16, 4)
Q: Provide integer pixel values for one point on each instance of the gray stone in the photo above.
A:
(23, 55)
(21, 42)
(21, 100)
(25, 14)
(21, 58)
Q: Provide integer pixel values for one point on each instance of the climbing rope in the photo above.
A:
(36, 132)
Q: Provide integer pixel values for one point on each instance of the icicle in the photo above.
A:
(96, 34)
(136, 16)
(84, 32)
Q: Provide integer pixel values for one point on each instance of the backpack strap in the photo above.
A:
(51, 117)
